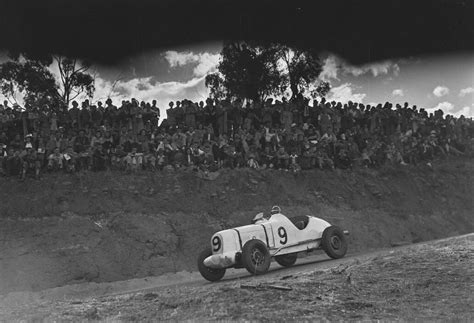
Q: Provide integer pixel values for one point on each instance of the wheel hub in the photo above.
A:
(335, 242)
(257, 257)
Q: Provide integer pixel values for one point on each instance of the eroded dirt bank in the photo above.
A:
(101, 227)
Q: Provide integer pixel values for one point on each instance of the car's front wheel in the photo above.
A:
(211, 274)
(256, 257)
(334, 242)
(286, 260)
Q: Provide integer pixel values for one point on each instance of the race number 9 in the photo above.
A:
(282, 234)
(216, 244)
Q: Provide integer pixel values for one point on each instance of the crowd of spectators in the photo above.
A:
(286, 135)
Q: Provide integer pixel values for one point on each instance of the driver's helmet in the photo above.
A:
(275, 210)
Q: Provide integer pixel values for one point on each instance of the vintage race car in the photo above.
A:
(279, 237)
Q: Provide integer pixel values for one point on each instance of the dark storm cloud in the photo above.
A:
(360, 31)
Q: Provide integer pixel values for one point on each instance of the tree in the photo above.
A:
(301, 68)
(74, 79)
(246, 71)
(215, 83)
(255, 71)
(30, 79)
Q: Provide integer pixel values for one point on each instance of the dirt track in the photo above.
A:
(427, 281)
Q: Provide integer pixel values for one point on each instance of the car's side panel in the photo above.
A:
(254, 231)
(284, 231)
(270, 239)
(301, 246)
(317, 225)
(289, 239)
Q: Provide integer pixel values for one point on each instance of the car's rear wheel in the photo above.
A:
(286, 260)
(211, 274)
(334, 242)
(256, 257)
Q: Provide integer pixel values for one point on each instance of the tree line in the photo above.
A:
(247, 70)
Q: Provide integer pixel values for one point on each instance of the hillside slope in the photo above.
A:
(106, 226)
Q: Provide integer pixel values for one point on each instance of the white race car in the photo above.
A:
(253, 246)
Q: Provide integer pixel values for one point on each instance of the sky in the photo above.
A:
(432, 82)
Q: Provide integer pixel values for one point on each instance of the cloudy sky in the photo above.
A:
(445, 82)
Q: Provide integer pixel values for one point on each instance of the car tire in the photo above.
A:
(211, 274)
(286, 260)
(256, 257)
(334, 242)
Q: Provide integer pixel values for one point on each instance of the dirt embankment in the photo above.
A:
(107, 226)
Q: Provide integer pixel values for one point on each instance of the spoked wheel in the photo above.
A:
(334, 242)
(211, 274)
(256, 257)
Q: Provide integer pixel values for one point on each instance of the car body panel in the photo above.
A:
(279, 234)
